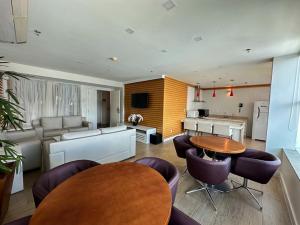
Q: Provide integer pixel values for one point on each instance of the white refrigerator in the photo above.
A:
(260, 120)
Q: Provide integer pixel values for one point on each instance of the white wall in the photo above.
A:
(55, 74)
(223, 104)
(191, 105)
(88, 89)
(284, 104)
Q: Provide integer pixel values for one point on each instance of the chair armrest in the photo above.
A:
(87, 124)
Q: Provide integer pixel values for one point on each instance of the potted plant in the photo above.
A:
(135, 119)
(10, 118)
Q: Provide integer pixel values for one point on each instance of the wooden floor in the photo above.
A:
(235, 208)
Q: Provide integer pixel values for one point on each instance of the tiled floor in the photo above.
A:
(235, 208)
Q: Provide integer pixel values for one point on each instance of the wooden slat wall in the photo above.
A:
(175, 100)
(153, 115)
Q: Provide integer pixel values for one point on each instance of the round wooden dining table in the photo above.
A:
(218, 144)
(111, 194)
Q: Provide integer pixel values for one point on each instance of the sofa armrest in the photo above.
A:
(39, 131)
(87, 124)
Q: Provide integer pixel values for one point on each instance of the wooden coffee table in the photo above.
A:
(218, 144)
(110, 194)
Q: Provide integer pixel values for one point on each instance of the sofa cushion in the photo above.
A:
(51, 123)
(56, 132)
(75, 135)
(72, 121)
(113, 129)
(77, 129)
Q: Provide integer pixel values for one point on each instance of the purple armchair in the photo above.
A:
(50, 179)
(23, 221)
(179, 218)
(254, 165)
(207, 172)
(166, 169)
(182, 144)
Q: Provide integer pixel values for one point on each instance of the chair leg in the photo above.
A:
(245, 186)
(195, 190)
(260, 207)
(253, 189)
(211, 199)
(202, 188)
(185, 171)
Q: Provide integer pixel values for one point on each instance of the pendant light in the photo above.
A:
(197, 93)
(231, 89)
(214, 91)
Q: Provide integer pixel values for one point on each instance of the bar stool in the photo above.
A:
(222, 130)
(190, 125)
(204, 127)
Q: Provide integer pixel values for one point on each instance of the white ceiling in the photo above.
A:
(79, 36)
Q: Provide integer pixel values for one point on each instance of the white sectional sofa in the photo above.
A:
(105, 145)
(53, 126)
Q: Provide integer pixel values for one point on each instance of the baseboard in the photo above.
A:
(172, 137)
(288, 201)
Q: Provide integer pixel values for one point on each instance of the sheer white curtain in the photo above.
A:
(47, 98)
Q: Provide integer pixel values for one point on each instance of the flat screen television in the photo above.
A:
(140, 100)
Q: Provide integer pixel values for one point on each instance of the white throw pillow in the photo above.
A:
(113, 129)
(81, 134)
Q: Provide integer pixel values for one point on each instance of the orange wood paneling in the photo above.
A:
(167, 104)
(153, 115)
(175, 99)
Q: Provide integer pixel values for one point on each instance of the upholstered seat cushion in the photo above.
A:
(77, 129)
(75, 135)
(72, 121)
(179, 218)
(113, 129)
(55, 132)
(51, 123)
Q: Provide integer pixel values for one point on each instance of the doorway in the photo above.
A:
(103, 109)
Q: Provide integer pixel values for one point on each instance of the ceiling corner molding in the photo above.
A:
(145, 79)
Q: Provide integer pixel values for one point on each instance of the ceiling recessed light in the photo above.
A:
(168, 5)
(114, 59)
(164, 50)
(129, 31)
(198, 38)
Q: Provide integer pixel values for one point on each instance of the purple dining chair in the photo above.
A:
(255, 165)
(23, 221)
(182, 144)
(166, 169)
(179, 218)
(207, 172)
(52, 178)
